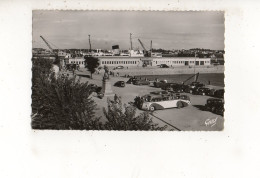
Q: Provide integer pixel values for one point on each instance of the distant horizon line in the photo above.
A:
(128, 49)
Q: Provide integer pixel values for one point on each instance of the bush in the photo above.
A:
(60, 103)
(123, 118)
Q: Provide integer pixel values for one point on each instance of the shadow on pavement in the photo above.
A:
(83, 75)
(200, 107)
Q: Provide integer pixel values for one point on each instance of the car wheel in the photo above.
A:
(152, 108)
(213, 109)
(179, 104)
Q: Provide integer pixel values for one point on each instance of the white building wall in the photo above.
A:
(77, 60)
(181, 61)
(170, 61)
(120, 61)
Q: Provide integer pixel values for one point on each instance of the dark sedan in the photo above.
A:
(131, 80)
(202, 91)
(120, 84)
(219, 93)
(215, 105)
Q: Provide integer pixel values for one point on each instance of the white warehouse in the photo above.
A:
(170, 61)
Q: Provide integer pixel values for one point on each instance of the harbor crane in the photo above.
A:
(196, 76)
(147, 53)
(49, 46)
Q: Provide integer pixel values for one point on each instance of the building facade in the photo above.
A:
(77, 60)
(170, 61)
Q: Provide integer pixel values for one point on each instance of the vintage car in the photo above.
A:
(131, 80)
(151, 102)
(202, 91)
(160, 84)
(119, 67)
(120, 84)
(164, 66)
(215, 105)
(219, 93)
(168, 86)
(193, 87)
(141, 82)
(196, 85)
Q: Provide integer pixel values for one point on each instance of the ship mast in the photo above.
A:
(89, 43)
(131, 45)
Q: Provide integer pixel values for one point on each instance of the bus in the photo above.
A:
(152, 102)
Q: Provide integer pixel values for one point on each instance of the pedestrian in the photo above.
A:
(116, 98)
(209, 82)
(55, 67)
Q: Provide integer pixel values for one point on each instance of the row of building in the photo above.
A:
(139, 62)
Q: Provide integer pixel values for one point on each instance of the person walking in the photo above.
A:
(55, 67)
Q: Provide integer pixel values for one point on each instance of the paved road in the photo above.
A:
(191, 118)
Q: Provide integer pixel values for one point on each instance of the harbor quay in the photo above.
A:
(191, 118)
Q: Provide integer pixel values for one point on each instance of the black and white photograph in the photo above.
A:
(129, 89)
(128, 70)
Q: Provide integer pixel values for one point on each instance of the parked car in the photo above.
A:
(119, 67)
(178, 88)
(196, 85)
(164, 66)
(141, 82)
(202, 91)
(120, 84)
(219, 93)
(160, 84)
(212, 92)
(168, 86)
(131, 80)
(215, 105)
(160, 92)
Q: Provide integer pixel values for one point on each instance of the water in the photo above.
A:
(216, 79)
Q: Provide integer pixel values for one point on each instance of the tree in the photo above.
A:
(62, 102)
(124, 118)
(91, 63)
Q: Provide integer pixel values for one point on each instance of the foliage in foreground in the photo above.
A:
(60, 103)
(63, 103)
(124, 118)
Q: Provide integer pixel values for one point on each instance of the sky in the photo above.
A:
(167, 30)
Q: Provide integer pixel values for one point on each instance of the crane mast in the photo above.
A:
(151, 47)
(142, 45)
(131, 44)
(49, 46)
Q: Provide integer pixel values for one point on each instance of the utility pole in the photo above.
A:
(131, 45)
(151, 47)
(195, 62)
(89, 43)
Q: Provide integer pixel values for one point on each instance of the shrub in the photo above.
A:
(124, 118)
(60, 103)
